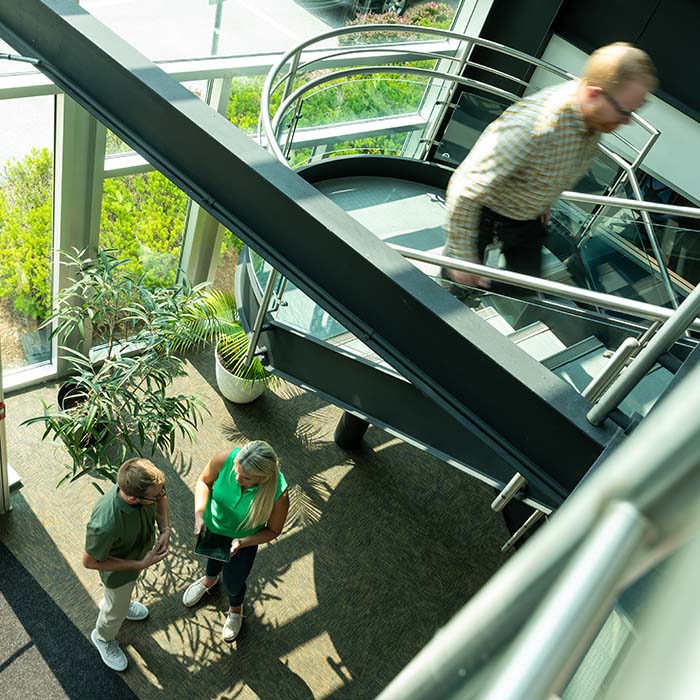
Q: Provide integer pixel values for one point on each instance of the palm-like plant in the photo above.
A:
(215, 318)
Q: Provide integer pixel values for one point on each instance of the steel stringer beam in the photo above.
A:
(444, 349)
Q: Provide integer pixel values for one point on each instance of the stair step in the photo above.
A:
(493, 318)
(537, 340)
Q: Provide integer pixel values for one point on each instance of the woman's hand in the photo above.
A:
(235, 546)
(198, 523)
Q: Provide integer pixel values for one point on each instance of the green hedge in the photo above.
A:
(25, 232)
(143, 217)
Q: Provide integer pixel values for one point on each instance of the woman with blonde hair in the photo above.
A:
(240, 496)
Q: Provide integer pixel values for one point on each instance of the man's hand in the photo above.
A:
(469, 279)
(153, 557)
(198, 523)
(163, 541)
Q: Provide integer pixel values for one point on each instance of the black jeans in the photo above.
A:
(235, 573)
(521, 245)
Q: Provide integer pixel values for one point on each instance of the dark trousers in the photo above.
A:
(521, 245)
(235, 573)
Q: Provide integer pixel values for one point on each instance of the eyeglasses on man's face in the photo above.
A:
(160, 495)
(616, 106)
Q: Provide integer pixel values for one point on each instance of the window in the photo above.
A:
(143, 219)
(26, 199)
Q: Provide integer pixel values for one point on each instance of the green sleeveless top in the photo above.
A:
(228, 504)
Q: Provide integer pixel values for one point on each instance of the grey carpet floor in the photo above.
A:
(42, 653)
(383, 546)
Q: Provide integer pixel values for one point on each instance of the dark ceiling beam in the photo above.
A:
(447, 351)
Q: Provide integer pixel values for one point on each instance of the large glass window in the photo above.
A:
(143, 220)
(26, 190)
(228, 260)
(172, 29)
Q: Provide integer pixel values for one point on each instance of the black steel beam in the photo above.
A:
(442, 348)
(391, 402)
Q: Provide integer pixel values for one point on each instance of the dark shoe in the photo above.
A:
(453, 287)
(467, 295)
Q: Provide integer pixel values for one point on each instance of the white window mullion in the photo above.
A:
(78, 176)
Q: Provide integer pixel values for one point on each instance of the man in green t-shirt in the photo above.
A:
(119, 543)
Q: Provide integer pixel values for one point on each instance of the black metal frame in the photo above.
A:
(449, 354)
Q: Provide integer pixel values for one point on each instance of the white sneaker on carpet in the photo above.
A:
(195, 591)
(232, 626)
(137, 611)
(111, 652)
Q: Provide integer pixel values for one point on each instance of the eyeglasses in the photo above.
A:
(616, 105)
(157, 498)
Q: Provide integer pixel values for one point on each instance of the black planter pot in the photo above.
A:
(71, 395)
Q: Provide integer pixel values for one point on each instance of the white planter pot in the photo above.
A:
(234, 388)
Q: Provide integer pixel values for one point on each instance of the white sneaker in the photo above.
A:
(232, 626)
(111, 653)
(195, 591)
(137, 611)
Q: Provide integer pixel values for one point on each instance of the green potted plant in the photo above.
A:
(116, 401)
(216, 319)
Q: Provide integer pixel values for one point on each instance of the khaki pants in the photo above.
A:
(114, 610)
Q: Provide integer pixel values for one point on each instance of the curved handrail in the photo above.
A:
(270, 125)
(408, 70)
(293, 57)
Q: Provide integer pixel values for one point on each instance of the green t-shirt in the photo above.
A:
(228, 504)
(117, 529)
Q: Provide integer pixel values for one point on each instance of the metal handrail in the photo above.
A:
(371, 70)
(646, 222)
(293, 56)
(640, 205)
(656, 471)
(585, 296)
(664, 338)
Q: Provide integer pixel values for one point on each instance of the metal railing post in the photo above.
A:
(614, 366)
(509, 490)
(555, 638)
(260, 318)
(668, 334)
(646, 219)
(520, 532)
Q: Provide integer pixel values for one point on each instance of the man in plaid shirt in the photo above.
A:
(539, 147)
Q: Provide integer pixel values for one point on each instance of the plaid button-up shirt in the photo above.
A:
(523, 161)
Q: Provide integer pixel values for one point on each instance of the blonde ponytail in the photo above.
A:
(259, 461)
